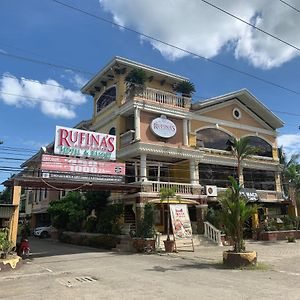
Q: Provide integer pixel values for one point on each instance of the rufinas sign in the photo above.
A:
(76, 142)
(163, 127)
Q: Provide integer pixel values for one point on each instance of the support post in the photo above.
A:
(137, 122)
(185, 132)
(201, 213)
(15, 217)
(143, 167)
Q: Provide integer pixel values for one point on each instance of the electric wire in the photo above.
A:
(177, 47)
(291, 6)
(247, 23)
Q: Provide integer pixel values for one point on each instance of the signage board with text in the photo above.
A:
(181, 224)
(82, 143)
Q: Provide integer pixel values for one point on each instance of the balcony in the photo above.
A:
(159, 97)
(181, 188)
(127, 138)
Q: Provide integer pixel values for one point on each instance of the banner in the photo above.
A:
(80, 165)
(181, 224)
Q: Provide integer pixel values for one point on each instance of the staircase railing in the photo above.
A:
(212, 233)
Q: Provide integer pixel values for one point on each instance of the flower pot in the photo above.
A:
(240, 259)
(169, 246)
(143, 245)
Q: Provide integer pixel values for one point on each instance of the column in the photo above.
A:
(201, 213)
(139, 215)
(143, 167)
(137, 121)
(185, 132)
(194, 172)
(15, 217)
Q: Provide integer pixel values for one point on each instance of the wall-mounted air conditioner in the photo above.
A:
(211, 190)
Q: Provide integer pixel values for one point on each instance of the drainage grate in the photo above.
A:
(75, 281)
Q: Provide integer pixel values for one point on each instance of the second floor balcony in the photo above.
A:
(158, 97)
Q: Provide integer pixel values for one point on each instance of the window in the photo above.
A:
(264, 147)
(259, 179)
(106, 98)
(216, 174)
(213, 138)
(112, 131)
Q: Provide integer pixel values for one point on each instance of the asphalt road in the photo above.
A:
(62, 271)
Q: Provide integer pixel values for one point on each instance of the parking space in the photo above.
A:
(58, 270)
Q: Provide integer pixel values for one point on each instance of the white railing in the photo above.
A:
(212, 233)
(127, 138)
(181, 188)
(161, 97)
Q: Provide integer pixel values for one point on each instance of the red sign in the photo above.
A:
(80, 165)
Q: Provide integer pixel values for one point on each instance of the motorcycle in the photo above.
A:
(23, 248)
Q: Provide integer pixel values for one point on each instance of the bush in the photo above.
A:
(110, 219)
(147, 229)
(91, 225)
(5, 243)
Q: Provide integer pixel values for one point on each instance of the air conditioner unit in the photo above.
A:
(211, 190)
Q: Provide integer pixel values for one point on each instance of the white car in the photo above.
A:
(44, 231)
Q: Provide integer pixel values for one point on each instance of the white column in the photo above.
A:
(143, 167)
(137, 121)
(194, 172)
(185, 132)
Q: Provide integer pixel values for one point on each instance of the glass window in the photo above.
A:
(214, 139)
(106, 98)
(265, 149)
(216, 174)
(259, 179)
(112, 131)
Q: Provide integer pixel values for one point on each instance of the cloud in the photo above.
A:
(77, 80)
(53, 101)
(199, 28)
(290, 143)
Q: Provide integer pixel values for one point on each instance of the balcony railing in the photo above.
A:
(181, 188)
(160, 97)
(127, 138)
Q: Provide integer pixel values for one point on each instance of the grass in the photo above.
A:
(258, 267)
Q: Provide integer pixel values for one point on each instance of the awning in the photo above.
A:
(174, 201)
(6, 211)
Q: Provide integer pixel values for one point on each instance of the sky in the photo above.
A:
(223, 54)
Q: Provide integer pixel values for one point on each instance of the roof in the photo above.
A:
(121, 62)
(247, 99)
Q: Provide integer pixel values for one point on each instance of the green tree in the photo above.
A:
(69, 212)
(242, 150)
(166, 194)
(5, 196)
(234, 213)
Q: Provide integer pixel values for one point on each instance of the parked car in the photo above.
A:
(43, 231)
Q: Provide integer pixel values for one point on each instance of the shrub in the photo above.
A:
(291, 239)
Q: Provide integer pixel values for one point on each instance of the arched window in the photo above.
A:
(265, 149)
(214, 139)
(112, 131)
(106, 98)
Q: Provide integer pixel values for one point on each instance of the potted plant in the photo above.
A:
(166, 194)
(135, 81)
(145, 237)
(5, 243)
(186, 88)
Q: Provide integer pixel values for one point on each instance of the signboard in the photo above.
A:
(80, 165)
(163, 127)
(250, 194)
(84, 177)
(76, 142)
(181, 224)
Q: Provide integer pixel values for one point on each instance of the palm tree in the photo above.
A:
(234, 213)
(242, 150)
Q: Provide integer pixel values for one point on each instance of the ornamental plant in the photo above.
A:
(234, 213)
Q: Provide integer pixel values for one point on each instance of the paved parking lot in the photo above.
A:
(62, 271)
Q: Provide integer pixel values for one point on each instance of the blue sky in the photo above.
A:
(45, 30)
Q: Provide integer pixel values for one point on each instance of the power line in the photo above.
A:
(178, 48)
(249, 24)
(291, 6)
(37, 61)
